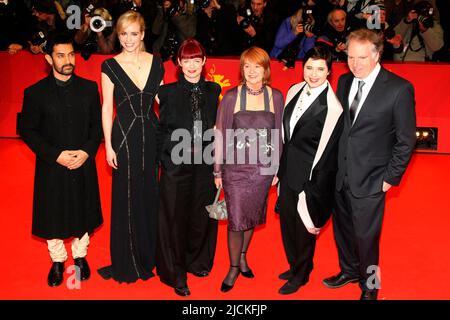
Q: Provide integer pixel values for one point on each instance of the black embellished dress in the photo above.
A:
(134, 202)
(186, 235)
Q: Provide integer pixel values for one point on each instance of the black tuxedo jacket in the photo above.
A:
(379, 145)
(299, 151)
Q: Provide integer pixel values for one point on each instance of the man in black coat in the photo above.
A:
(61, 123)
(374, 150)
(258, 25)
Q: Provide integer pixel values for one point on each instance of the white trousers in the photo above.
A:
(58, 251)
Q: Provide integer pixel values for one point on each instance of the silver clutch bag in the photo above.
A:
(218, 210)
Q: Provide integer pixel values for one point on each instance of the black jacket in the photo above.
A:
(66, 202)
(299, 152)
(379, 145)
(176, 113)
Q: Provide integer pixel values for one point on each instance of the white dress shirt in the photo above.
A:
(303, 103)
(368, 83)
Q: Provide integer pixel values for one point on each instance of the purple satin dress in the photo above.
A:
(245, 185)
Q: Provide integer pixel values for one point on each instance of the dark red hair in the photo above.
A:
(191, 49)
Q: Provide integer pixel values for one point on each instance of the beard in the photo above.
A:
(66, 69)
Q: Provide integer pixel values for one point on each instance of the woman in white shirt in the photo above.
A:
(311, 129)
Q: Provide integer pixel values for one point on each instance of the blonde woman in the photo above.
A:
(132, 79)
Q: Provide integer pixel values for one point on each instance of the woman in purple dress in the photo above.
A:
(247, 150)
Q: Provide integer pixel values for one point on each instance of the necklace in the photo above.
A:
(255, 92)
(138, 64)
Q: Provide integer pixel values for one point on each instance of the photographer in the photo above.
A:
(257, 25)
(95, 36)
(14, 26)
(294, 38)
(48, 21)
(392, 43)
(396, 10)
(335, 34)
(216, 27)
(175, 22)
(421, 33)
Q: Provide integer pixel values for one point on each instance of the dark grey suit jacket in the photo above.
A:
(379, 145)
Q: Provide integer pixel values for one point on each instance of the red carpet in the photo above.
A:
(414, 263)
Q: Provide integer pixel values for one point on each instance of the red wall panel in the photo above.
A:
(431, 83)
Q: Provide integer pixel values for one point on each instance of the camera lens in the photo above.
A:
(204, 4)
(97, 24)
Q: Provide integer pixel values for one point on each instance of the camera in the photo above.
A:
(170, 48)
(171, 11)
(38, 39)
(425, 12)
(101, 21)
(203, 4)
(249, 18)
(308, 20)
(290, 52)
(129, 5)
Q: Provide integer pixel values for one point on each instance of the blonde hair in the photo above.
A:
(104, 13)
(296, 18)
(258, 56)
(366, 35)
(128, 18)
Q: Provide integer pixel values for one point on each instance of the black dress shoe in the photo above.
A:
(201, 274)
(339, 280)
(85, 271)
(56, 274)
(287, 275)
(288, 288)
(182, 291)
(369, 295)
(248, 273)
(227, 287)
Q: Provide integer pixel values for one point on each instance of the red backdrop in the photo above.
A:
(431, 83)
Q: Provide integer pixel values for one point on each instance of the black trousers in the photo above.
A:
(357, 227)
(186, 235)
(299, 244)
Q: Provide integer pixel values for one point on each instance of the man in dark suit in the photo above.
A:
(61, 123)
(374, 150)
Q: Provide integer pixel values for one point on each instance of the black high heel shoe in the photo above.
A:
(226, 287)
(249, 272)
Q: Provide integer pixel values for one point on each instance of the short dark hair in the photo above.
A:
(45, 6)
(317, 53)
(55, 39)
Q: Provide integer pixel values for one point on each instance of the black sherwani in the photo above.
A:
(66, 202)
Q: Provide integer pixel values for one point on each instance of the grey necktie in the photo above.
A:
(355, 102)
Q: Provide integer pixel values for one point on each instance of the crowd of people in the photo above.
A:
(328, 153)
(413, 30)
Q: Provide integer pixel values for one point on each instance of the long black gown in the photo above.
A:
(134, 204)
